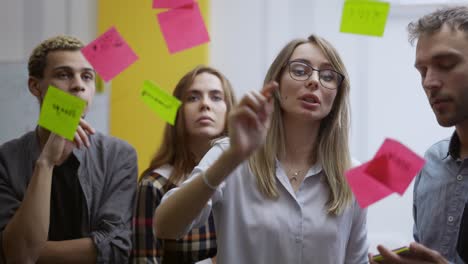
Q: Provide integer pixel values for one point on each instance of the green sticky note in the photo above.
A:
(164, 104)
(61, 112)
(364, 17)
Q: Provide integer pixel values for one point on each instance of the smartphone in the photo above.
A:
(400, 251)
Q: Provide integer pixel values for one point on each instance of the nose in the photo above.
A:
(431, 80)
(77, 85)
(313, 81)
(205, 103)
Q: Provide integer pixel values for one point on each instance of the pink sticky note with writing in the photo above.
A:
(170, 3)
(395, 165)
(109, 54)
(183, 28)
(366, 188)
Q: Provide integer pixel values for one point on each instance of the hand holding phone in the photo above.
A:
(399, 251)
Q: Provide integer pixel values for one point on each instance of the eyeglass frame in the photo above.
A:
(288, 65)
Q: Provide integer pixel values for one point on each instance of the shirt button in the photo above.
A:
(450, 219)
(459, 177)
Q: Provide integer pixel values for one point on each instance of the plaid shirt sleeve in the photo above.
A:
(146, 249)
(198, 244)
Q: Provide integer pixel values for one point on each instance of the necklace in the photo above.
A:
(294, 177)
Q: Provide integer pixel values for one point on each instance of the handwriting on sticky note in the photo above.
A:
(155, 99)
(109, 54)
(402, 165)
(183, 28)
(61, 112)
(391, 170)
(364, 17)
(164, 104)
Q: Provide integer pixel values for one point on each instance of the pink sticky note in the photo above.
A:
(170, 3)
(109, 54)
(395, 165)
(183, 28)
(366, 188)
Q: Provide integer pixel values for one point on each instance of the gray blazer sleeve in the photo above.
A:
(112, 236)
(9, 203)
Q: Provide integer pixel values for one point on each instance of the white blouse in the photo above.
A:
(295, 228)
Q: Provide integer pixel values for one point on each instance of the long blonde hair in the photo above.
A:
(173, 149)
(332, 151)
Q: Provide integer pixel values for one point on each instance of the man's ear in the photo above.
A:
(34, 87)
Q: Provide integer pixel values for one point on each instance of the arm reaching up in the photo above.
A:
(248, 124)
(26, 233)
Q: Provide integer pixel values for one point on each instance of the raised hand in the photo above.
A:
(57, 149)
(54, 150)
(82, 133)
(249, 121)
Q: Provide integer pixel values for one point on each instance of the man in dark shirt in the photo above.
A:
(63, 201)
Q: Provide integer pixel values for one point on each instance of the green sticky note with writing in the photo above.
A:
(364, 17)
(164, 104)
(61, 112)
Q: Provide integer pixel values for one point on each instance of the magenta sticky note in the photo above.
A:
(395, 165)
(366, 189)
(170, 3)
(183, 28)
(109, 54)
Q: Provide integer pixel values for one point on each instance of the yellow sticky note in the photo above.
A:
(364, 17)
(61, 112)
(160, 101)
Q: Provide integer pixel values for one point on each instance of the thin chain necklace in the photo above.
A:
(294, 177)
(295, 174)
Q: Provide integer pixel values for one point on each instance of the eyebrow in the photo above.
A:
(439, 56)
(68, 68)
(210, 91)
(323, 64)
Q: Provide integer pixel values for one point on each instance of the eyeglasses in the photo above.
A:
(328, 78)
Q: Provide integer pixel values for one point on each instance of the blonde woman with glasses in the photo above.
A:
(276, 187)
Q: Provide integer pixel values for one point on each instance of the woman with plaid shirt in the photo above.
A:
(206, 97)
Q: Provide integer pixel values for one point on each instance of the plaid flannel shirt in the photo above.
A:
(198, 244)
